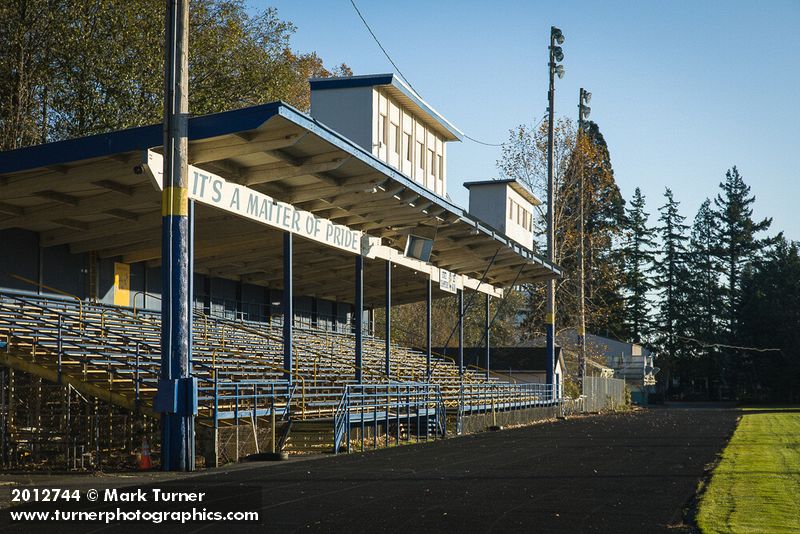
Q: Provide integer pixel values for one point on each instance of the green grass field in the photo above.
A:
(756, 486)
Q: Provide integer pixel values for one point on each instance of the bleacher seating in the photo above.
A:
(113, 353)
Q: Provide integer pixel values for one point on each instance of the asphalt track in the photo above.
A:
(633, 472)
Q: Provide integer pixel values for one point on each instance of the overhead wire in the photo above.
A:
(403, 76)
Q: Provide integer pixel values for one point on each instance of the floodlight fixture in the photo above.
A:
(556, 35)
(587, 97)
(558, 53)
(559, 70)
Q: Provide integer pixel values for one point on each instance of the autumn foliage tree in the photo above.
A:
(79, 67)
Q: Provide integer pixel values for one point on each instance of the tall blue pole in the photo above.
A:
(359, 316)
(461, 332)
(487, 325)
(388, 318)
(177, 391)
(288, 306)
(428, 305)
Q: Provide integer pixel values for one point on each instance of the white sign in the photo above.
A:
(214, 190)
(448, 281)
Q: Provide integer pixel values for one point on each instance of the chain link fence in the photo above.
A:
(599, 394)
(603, 393)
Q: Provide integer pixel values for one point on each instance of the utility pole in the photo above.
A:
(177, 390)
(583, 113)
(556, 55)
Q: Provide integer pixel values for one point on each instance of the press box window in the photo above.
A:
(397, 138)
(382, 137)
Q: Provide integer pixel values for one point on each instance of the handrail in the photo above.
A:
(290, 373)
(240, 326)
(37, 284)
(83, 348)
(127, 339)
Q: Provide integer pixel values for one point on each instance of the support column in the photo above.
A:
(388, 318)
(428, 305)
(550, 346)
(487, 325)
(177, 391)
(461, 332)
(288, 306)
(358, 312)
(190, 304)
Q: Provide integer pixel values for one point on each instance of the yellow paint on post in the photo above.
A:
(548, 318)
(175, 201)
(122, 284)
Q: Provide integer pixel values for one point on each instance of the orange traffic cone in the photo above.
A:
(144, 458)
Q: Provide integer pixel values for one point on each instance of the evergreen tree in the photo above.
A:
(605, 221)
(704, 303)
(736, 241)
(637, 249)
(671, 279)
(769, 315)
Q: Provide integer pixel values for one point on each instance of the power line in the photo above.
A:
(385, 53)
(403, 76)
(721, 346)
(482, 142)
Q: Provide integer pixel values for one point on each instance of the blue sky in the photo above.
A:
(682, 90)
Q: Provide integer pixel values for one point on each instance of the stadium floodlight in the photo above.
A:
(556, 55)
(419, 244)
(418, 247)
(583, 109)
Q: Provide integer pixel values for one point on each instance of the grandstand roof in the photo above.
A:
(88, 193)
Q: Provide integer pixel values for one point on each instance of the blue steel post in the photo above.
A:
(388, 318)
(190, 305)
(359, 315)
(461, 332)
(488, 300)
(428, 304)
(176, 390)
(288, 306)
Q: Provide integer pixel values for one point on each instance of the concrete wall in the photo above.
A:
(502, 208)
(488, 203)
(348, 111)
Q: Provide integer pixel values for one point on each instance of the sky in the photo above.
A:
(682, 91)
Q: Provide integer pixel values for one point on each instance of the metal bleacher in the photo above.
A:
(113, 353)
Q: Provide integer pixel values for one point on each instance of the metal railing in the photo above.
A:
(494, 397)
(390, 413)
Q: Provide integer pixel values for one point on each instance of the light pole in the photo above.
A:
(583, 113)
(555, 69)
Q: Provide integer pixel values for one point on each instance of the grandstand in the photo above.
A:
(80, 320)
